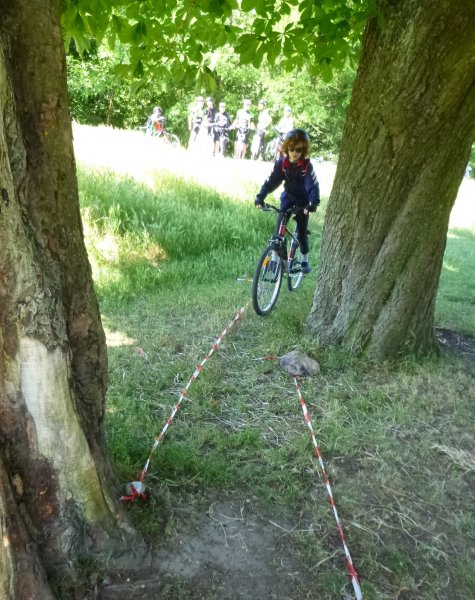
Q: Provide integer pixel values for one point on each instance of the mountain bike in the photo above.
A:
(221, 142)
(170, 138)
(240, 144)
(275, 263)
(160, 133)
(272, 149)
(257, 145)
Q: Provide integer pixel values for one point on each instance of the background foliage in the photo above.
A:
(298, 52)
(99, 96)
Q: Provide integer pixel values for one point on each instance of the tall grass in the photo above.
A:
(397, 438)
(177, 233)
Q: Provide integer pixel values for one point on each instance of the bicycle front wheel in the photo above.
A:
(267, 281)
(295, 274)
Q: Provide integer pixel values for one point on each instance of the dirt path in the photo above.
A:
(227, 552)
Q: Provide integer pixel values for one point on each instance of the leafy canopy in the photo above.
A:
(174, 38)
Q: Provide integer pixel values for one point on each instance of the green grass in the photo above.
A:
(456, 296)
(396, 438)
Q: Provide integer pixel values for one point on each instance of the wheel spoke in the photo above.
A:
(267, 282)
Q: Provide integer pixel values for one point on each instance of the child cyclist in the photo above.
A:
(301, 189)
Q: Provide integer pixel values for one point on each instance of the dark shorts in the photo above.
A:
(220, 133)
(243, 135)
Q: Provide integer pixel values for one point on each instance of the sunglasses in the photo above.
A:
(299, 149)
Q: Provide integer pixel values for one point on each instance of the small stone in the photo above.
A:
(298, 364)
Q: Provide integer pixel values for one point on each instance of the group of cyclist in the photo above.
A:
(292, 168)
(210, 127)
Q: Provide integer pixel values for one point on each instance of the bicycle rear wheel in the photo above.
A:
(295, 275)
(267, 282)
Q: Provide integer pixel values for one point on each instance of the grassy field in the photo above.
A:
(167, 254)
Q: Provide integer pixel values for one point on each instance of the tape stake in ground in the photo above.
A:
(326, 481)
(136, 489)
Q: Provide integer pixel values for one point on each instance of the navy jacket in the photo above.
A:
(300, 183)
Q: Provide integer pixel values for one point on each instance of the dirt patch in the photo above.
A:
(460, 344)
(229, 553)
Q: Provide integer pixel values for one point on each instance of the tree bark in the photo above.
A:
(55, 499)
(406, 143)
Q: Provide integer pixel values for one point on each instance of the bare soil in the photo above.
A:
(452, 342)
(227, 552)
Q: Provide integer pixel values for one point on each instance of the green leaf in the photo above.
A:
(82, 42)
(138, 70)
(258, 56)
(211, 81)
(273, 51)
(137, 86)
(326, 71)
(122, 71)
(247, 5)
(260, 7)
(246, 45)
(79, 25)
(259, 25)
(139, 32)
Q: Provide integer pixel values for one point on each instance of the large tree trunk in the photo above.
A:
(406, 144)
(54, 500)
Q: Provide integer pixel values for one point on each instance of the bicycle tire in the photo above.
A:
(294, 275)
(270, 150)
(174, 140)
(267, 281)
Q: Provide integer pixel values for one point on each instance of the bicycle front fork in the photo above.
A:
(279, 248)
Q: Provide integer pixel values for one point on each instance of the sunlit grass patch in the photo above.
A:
(455, 307)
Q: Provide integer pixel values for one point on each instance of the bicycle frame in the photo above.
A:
(282, 234)
(292, 269)
(275, 263)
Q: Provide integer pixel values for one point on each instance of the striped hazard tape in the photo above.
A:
(136, 489)
(326, 482)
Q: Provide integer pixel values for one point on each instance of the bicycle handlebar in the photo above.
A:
(267, 207)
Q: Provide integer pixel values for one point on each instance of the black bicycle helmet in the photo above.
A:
(300, 134)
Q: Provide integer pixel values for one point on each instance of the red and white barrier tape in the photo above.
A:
(326, 481)
(134, 488)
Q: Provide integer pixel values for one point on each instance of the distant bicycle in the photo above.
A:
(272, 149)
(221, 140)
(158, 131)
(257, 145)
(240, 144)
(275, 263)
(170, 138)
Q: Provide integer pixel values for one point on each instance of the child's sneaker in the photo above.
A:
(306, 268)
